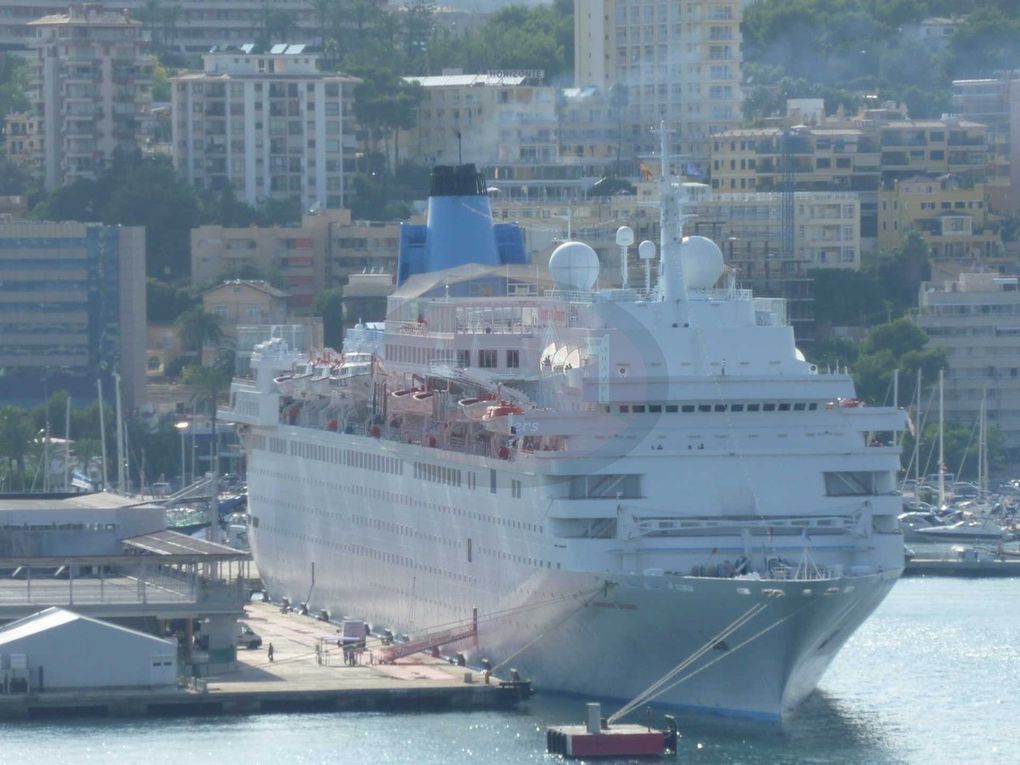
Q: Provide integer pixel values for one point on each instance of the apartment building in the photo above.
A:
(267, 123)
(322, 252)
(500, 117)
(949, 211)
(72, 309)
(677, 62)
(849, 155)
(976, 319)
(90, 86)
(995, 102)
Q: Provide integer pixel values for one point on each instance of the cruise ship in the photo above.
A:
(637, 492)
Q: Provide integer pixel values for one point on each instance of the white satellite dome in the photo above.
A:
(574, 266)
(703, 262)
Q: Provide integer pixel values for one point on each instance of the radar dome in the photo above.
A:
(574, 266)
(703, 262)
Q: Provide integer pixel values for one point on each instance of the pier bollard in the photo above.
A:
(468, 678)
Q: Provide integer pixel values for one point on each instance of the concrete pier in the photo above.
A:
(307, 674)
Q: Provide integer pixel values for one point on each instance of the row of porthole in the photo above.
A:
(409, 501)
(770, 406)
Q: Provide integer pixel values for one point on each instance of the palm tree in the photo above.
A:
(199, 328)
(209, 383)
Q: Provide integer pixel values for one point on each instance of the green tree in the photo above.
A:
(329, 305)
(199, 328)
(165, 302)
(901, 345)
(210, 383)
(13, 85)
(144, 192)
(17, 434)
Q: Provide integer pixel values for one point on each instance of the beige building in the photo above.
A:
(267, 123)
(90, 89)
(949, 211)
(677, 61)
(504, 117)
(322, 252)
(72, 309)
(242, 302)
(976, 319)
(192, 26)
(855, 155)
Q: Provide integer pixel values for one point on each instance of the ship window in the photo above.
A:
(463, 358)
(513, 359)
(655, 408)
(515, 489)
(704, 407)
(851, 483)
(671, 408)
(487, 359)
(753, 407)
(624, 408)
(492, 481)
(812, 406)
(720, 407)
(784, 407)
(736, 407)
(687, 408)
(798, 407)
(768, 407)
(638, 408)
(615, 486)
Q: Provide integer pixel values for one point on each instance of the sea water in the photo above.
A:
(933, 677)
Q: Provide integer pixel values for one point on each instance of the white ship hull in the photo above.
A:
(361, 542)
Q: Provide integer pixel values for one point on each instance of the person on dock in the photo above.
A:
(270, 653)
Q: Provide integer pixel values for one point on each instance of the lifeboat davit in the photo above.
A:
(496, 418)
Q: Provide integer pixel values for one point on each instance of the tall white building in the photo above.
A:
(675, 60)
(91, 91)
(268, 123)
(976, 319)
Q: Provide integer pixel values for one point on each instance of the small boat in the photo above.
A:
(973, 530)
(475, 408)
(496, 418)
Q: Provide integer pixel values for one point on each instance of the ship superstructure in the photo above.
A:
(603, 483)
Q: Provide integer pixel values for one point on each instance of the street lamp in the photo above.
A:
(182, 428)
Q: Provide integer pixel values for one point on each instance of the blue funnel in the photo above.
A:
(459, 229)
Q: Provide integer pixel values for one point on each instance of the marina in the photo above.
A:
(307, 673)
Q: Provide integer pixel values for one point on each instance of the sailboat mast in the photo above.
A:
(917, 432)
(983, 445)
(102, 429)
(942, 444)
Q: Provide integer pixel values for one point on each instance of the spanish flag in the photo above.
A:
(646, 171)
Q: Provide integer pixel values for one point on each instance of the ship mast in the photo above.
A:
(672, 285)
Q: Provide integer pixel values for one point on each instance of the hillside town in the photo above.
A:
(188, 177)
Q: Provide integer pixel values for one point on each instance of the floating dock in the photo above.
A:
(961, 567)
(303, 676)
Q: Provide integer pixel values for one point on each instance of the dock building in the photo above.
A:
(110, 557)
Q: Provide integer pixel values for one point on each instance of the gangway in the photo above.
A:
(428, 642)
